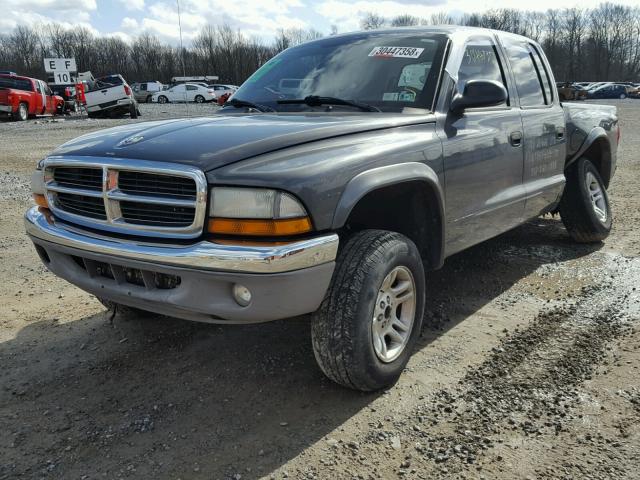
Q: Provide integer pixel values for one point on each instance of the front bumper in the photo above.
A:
(285, 280)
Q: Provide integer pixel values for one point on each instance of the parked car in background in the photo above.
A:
(222, 99)
(24, 97)
(143, 91)
(110, 96)
(571, 91)
(634, 91)
(185, 92)
(609, 90)
(220, 89)
(68, 93)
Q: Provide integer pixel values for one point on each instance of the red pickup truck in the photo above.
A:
(22, 97)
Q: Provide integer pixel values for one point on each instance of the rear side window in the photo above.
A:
(543, 74)
(192, 87)
(16, 83)
(528, 81)
(480, 62)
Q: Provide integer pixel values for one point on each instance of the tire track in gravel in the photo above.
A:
(530, 383)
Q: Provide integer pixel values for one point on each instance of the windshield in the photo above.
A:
(388, 71)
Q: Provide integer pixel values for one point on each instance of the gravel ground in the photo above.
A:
(527, 367)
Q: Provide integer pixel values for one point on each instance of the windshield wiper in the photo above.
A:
(316, 101)
(236, 102)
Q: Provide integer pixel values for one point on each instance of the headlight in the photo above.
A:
(254, 203)
(256, 212)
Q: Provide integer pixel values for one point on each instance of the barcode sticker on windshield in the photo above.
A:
(396, 52)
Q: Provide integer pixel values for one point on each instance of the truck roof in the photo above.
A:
(457, 31)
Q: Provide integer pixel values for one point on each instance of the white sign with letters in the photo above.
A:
(53, 65)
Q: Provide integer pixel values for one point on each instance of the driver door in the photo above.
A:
(483, 155)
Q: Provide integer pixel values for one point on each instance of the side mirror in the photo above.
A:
(479, 93)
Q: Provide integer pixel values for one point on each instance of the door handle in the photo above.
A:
(103, 91)
(560, 133)
(515, 138)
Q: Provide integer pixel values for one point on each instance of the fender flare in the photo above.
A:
(596, 133)
(381, 177)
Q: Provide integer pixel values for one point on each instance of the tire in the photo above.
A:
(623, 96)
(133, 111)
(125, 311)
(199, 99)
(584, 207)
(163, 99)
(344, 331)
(22, 114)
(148, 99)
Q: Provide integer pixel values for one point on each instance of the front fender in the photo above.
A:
(381, 177)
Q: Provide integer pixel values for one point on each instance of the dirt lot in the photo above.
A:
(528, 367)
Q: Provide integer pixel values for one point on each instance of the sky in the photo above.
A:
(255, 18)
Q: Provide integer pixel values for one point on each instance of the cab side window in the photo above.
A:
(526, 73)
(480, 62)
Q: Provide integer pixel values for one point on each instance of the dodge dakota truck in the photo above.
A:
(24, 97)
(338, 175)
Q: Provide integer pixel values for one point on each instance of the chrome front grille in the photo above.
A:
(82, 205)
(89, 178)
(128, 196)
(140, 183)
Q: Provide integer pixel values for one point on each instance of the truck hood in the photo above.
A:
(209, 143)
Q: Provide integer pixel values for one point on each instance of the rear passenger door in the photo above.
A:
(543, 124)
(483, 158)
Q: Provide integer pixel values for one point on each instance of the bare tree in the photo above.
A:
(372, 21)
(596, 44)
(404, 21)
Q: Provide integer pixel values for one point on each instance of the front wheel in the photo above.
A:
(365, 330)
(584, 207)
(162, 99)
(623, 96)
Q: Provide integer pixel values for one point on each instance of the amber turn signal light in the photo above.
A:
(263, 228)
(40, 200)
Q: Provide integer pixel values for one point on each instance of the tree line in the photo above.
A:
(600, 44)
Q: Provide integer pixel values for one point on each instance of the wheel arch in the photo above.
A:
(597, 148)
(405, 197)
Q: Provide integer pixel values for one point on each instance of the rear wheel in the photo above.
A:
(148, 99)
(133, 111)
(365, 330)
(199, 99)
(22, 113)
(584, 208)
(623, 96)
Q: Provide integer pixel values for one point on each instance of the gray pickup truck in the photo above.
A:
(341, 172)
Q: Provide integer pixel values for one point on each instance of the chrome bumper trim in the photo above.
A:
(41, 225)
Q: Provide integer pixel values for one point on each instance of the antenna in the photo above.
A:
(184, 70)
